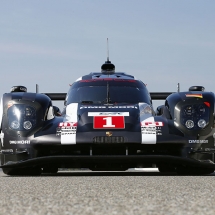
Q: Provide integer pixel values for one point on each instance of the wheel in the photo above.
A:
(166, 168)
(193, 171)
(22, 171)
(50, 170)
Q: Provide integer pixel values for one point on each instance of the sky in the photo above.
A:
(161, 42)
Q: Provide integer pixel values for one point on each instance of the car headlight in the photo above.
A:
(27, 125)
(189, 124)
(21, 117)
(195, 116)
(14, 124)
(145, 111)
(202, 123)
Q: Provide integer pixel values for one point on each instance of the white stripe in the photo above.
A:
(50, 114)
(148, 133)
(68, 136)
(71, 113)
(108, 113)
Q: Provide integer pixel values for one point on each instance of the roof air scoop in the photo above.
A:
(108, 67)
(18, 89)
(197, 88)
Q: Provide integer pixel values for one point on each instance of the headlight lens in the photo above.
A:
(14, 124)
(202, 123)
(195, 116)
(27, 125)
(21, 117)
(189, 124)
(146, 109)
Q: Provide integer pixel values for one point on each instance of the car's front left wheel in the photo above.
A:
(34, 171)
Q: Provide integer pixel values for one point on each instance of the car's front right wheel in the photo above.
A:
(193, 171)
(34, 171)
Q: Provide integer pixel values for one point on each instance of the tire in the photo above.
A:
(193, 171)
(166, 169)
(50, 170)
(22, 171)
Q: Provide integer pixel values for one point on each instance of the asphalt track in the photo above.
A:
(86, 192)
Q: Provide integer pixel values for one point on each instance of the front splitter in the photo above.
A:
(130, 160)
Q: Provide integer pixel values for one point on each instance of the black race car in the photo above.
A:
(108, 123)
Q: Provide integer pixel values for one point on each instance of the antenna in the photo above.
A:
(108, 67)
(37, 88)
(107, 50)
(178, 87)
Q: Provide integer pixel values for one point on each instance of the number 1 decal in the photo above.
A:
(108, 122)
(114, 122)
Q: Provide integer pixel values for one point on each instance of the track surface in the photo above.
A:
(132, 192)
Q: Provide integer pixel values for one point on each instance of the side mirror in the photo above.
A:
(159, 110)
(163, 111)
(57, 111)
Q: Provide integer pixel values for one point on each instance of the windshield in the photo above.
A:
(108, 92)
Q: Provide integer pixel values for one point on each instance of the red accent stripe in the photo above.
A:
(207, 104)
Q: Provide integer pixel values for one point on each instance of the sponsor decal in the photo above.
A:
(15, 142)
(109, 133)
(152, 123)
(151, 130)
(67, 124)
(108, 113)
(103, 122)
(67, 132)
(159, 132)
(194, 95)
(66, 128)
(5, 151)
(84, 107)
(148, 130)
(126, 106)
(129, 106)
(198, 141)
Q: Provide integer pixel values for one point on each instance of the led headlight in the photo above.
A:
(14, 124)
(202, 123)
(189, 124)
(28, 111)
(27, 125)
(21, 117)
(146, 110)
(195, 116)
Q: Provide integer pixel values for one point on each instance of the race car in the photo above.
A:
(108, 124)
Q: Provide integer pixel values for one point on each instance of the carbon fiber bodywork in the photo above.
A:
(108, 124)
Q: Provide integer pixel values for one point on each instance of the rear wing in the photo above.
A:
(154, 96)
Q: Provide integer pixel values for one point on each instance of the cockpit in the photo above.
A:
(108, 91)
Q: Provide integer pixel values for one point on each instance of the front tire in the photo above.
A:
(50, 170)
(194, 171)
(166, 169)
(22, 171)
